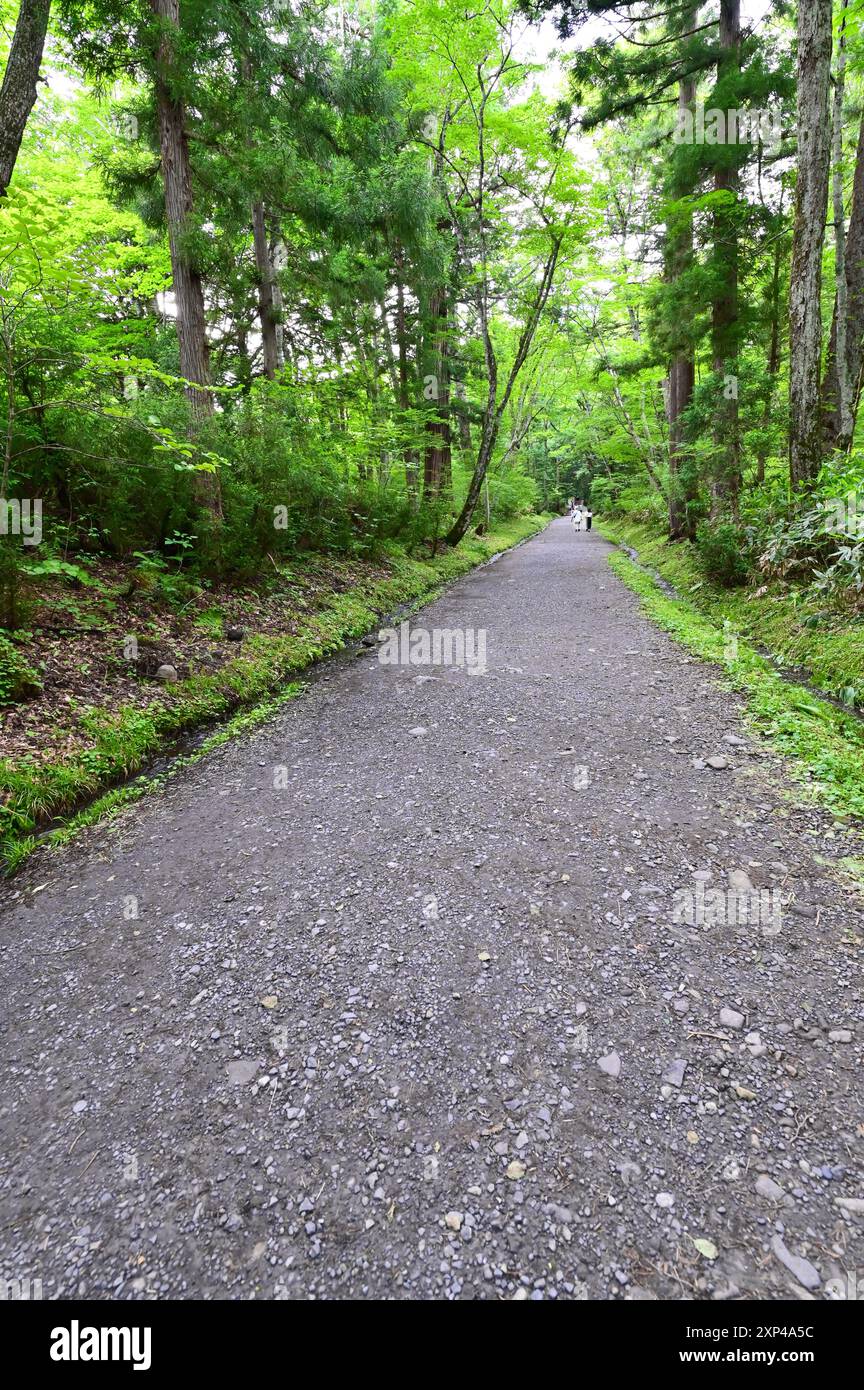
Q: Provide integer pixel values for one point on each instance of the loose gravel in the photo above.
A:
(411, 993)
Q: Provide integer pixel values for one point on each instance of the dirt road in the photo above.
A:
(414, 993)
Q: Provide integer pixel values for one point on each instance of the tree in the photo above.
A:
(682, 368)
(511, 192)
(840, 353)
(18, 92)
(179, 208)
(811, 206)
(841, 384)
(725, 333)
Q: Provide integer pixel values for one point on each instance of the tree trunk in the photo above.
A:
(187, 285)
(494, 409)
(266, 298)
(841, 325)
(437, 457)
(682, 371)
(278, 260)
(773, 355)
(811, 206)
(18, 93)
(464, 425)
(491, 426)
(726, 482)
(834, 436)
(412, 469)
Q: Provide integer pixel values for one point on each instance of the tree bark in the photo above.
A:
(726, 482)
(811, 206)
(266, 297)
(412, 468)
(834, 436)
(186, 280)
(841, 325)
(437, 455)
(682, 370)
(18, 93)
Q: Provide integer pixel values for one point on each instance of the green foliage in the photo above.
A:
(331, 454)
(17, 680)
(723, 554)
(14, 608)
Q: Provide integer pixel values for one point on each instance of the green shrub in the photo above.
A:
(13, 606)
(724, 555)
(18, 681)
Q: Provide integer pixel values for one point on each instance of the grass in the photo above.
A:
(797, 626)
(825, 745)
(123, 740)
(114, 801)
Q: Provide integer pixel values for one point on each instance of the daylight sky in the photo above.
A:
(539, 44)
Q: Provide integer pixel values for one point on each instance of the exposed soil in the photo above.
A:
(78, 642)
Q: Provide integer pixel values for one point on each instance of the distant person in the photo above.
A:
(576, 517)
(587, 517)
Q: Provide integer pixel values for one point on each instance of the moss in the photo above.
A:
(123, 740)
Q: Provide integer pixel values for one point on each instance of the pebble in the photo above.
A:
(674, 1073)
(806, 1274)
(767, 1187)
(730, 1018)
(610, 1065)
(242, 1071)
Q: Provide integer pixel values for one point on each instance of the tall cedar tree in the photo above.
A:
(18, 92)
(811, 206)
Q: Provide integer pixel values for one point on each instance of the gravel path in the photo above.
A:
(351, 1044)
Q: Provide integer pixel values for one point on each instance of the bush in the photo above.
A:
(13, 607)
(17, 680)
(724, 554)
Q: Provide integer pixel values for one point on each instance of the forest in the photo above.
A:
(298, 298)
